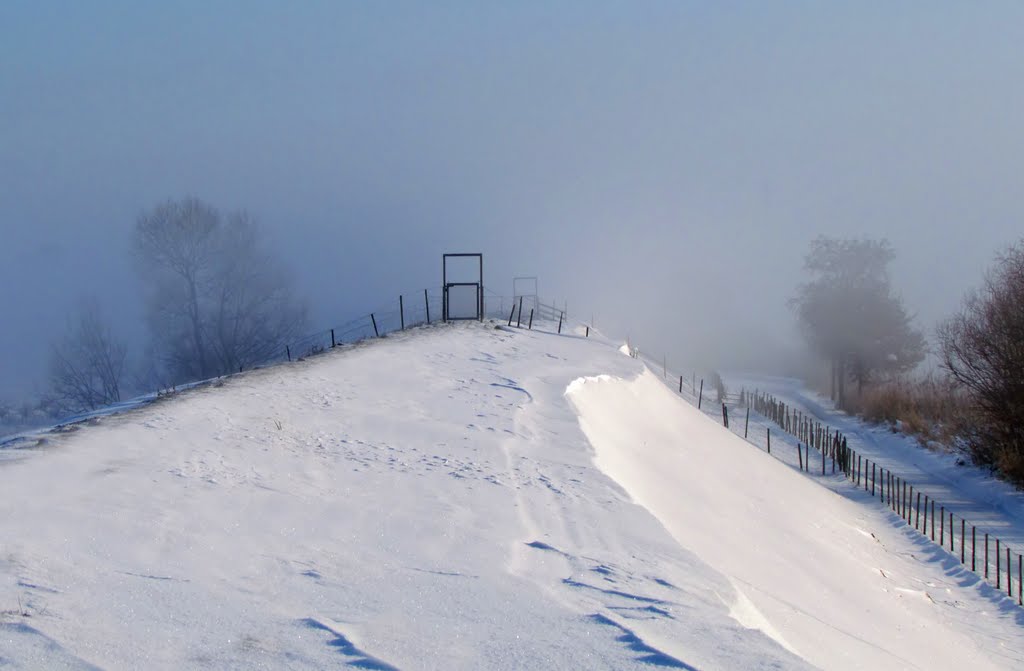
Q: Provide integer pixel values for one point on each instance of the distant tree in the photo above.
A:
(217, 299)
(848, 314)
(982, 349)
(87, 365)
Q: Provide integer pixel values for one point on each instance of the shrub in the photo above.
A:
(983, 350)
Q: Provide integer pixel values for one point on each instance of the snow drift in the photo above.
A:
(431, 500)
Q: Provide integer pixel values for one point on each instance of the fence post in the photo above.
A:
(952, 533)
(374, 320)
(680, 384)
(999, 569)
(700, 398)
(823, 462)
(560, 315)
(963, 540)
(746, 422)
(1009, 566)
(769, 440)
(401, 311)
(725, 416)
(333, 344)
(588, 330)
(531, 319)
(942, 526)
(873, 478)
(519, 319)
(1020, 580)
(288, 350)
(917, 513)
(986, 556)
(800, 456)
(511, 314)
(974, 541)
(426, 303)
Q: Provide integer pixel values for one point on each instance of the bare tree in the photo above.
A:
(87, 365)
(848, 314)
(983, 351)
(218, 300)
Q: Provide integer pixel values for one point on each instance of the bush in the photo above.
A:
(983, 351)
(719, 385)
(930, 408)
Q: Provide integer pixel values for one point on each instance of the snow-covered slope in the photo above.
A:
(434, 500)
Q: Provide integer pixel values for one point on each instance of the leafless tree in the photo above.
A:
(983, 351)
(218, 300)
(87, 365)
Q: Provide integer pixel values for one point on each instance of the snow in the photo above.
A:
(459, 497)
(833, 580)
(969, 492)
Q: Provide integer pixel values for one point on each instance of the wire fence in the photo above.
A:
(822, 451)
(406, 311)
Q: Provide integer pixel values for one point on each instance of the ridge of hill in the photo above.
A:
(461, 496)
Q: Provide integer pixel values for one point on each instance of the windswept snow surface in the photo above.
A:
(423, 501)
(432, 500)
(970, 492)
(841, 583)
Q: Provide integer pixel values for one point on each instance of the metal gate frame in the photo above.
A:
(446, 285)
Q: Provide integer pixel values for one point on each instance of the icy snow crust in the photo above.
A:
(433, 500)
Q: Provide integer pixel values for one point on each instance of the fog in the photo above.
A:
(660, 167)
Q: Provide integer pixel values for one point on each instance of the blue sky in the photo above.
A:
(662, 165)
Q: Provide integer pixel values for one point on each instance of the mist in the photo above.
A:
(660, 167)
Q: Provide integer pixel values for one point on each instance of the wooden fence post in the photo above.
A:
(986, 556)
(1009, 566)
(512, 314)
(974, 543)
(700, 398)
(769, 440)
(560, 315)
(519, 319)
(725, 416)
(823, 462)
(963, 541)
(933, 520)
(333, 344)
(680, 384)
(288, 350)
(942, 526)
(746, 423)
(800, 456)
(374, 320)
(401, 311)
(999, 569)
(426, 304)
(531, 319)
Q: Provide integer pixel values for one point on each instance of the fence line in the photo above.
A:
(915, 508)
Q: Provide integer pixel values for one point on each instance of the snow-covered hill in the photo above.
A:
(460, 497)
